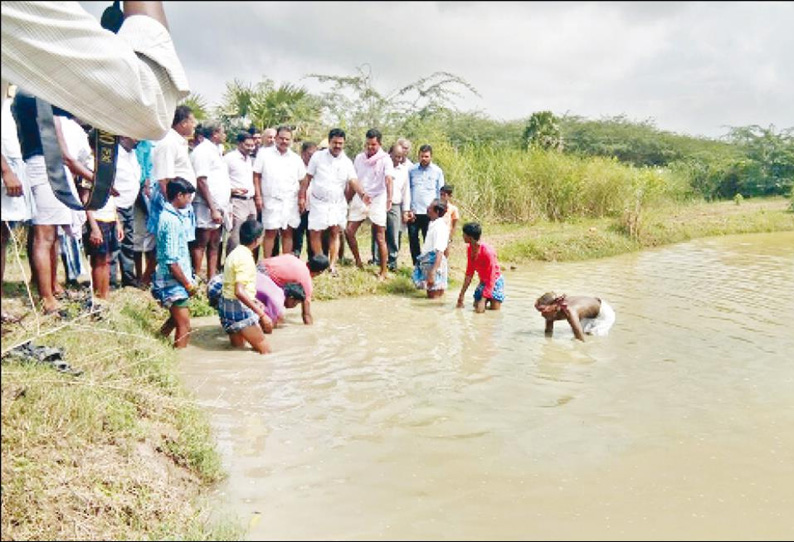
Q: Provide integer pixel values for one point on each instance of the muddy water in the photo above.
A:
(401, 418)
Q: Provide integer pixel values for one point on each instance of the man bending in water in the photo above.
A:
(586, 315)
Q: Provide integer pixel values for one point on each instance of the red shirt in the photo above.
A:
(486, 266)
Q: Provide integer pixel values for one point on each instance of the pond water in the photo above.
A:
(405, 418)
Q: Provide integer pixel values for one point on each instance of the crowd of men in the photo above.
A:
(313, 196)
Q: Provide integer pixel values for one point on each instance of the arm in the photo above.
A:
(253, 304)
(204, 190)
(431, 275)
(258, 191)
(576, 325)
(306, 312)
(356, 187)
(549, 327)
(62, 55)
(150, 9)
(96, 234)
(302, 192)
(406, 201)
(12, 183)
(389, 182)
(180, 276)
(466, 282)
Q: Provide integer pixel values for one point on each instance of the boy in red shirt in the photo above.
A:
(482, 259)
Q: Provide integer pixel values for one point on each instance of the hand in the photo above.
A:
(96, 237)
(147, 190)
(301, 204)
(431, 280)
(13, 186)
(366, 198)
(460, 303)
(119, 233)
(192, 289)
(258, 203)
(113, 192)
(388, 205)
(216, 216)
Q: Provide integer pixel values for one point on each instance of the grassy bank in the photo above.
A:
(118, 452)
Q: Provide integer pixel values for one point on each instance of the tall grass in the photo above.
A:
(511, 185)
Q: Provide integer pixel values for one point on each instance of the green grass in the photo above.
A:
(119, 452)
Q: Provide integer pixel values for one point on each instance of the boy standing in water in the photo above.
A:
(586, 315)
(480, 257)
(430, 271)
(173, 282)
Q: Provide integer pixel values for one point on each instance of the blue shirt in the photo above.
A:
(171, 246)
(426, 183)
(144, 154)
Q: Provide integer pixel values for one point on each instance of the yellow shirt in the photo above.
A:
(239, 267)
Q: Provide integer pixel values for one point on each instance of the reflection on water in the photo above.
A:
(407, 418)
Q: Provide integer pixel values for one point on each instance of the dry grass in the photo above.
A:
(119, 452)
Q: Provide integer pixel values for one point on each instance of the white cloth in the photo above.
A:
(375, 211)
(600, 325)
(281, 173)
(128, 178)
(278, 214)
(437, 236)
(241, 171)
(49, 209)
(208, 162)
(170, 158)
(78, 146)
(400, 186)
(324, 214)
(127, 83)
(18, 207)
(372, 174)
(330, 175)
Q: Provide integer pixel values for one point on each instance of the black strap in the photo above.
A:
(105, 147)
(52, 156)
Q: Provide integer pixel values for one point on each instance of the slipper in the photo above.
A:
(8, 318)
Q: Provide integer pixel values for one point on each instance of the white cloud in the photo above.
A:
(692, 67)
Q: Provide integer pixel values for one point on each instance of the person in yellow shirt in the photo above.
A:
(242, 315)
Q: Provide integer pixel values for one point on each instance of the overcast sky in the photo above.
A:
(691, 67)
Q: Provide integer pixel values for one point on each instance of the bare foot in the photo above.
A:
(382, 277)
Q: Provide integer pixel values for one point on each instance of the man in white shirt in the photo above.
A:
(375, 171)
(329, 172)
(17, 199)
(170, 159)
(278, 172)
(240, 165)
(127, 185)
(212, 203)
(126, 83)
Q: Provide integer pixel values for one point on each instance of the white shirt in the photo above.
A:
(437, 236)
(241, 171)
(10, 136)
(208, 162)
(170, 158)
(400, 186)
(128, 178)
(127, 83)
(330, 175)
(281, 173)
(373, 177)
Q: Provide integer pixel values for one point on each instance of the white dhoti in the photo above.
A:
(600, 325)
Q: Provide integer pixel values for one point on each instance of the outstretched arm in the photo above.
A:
(306, 311)
(549, 327)
(466, 283)
(576, 325)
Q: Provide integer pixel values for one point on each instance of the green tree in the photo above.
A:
(768, 168)
(543, 132)
(197, 104)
